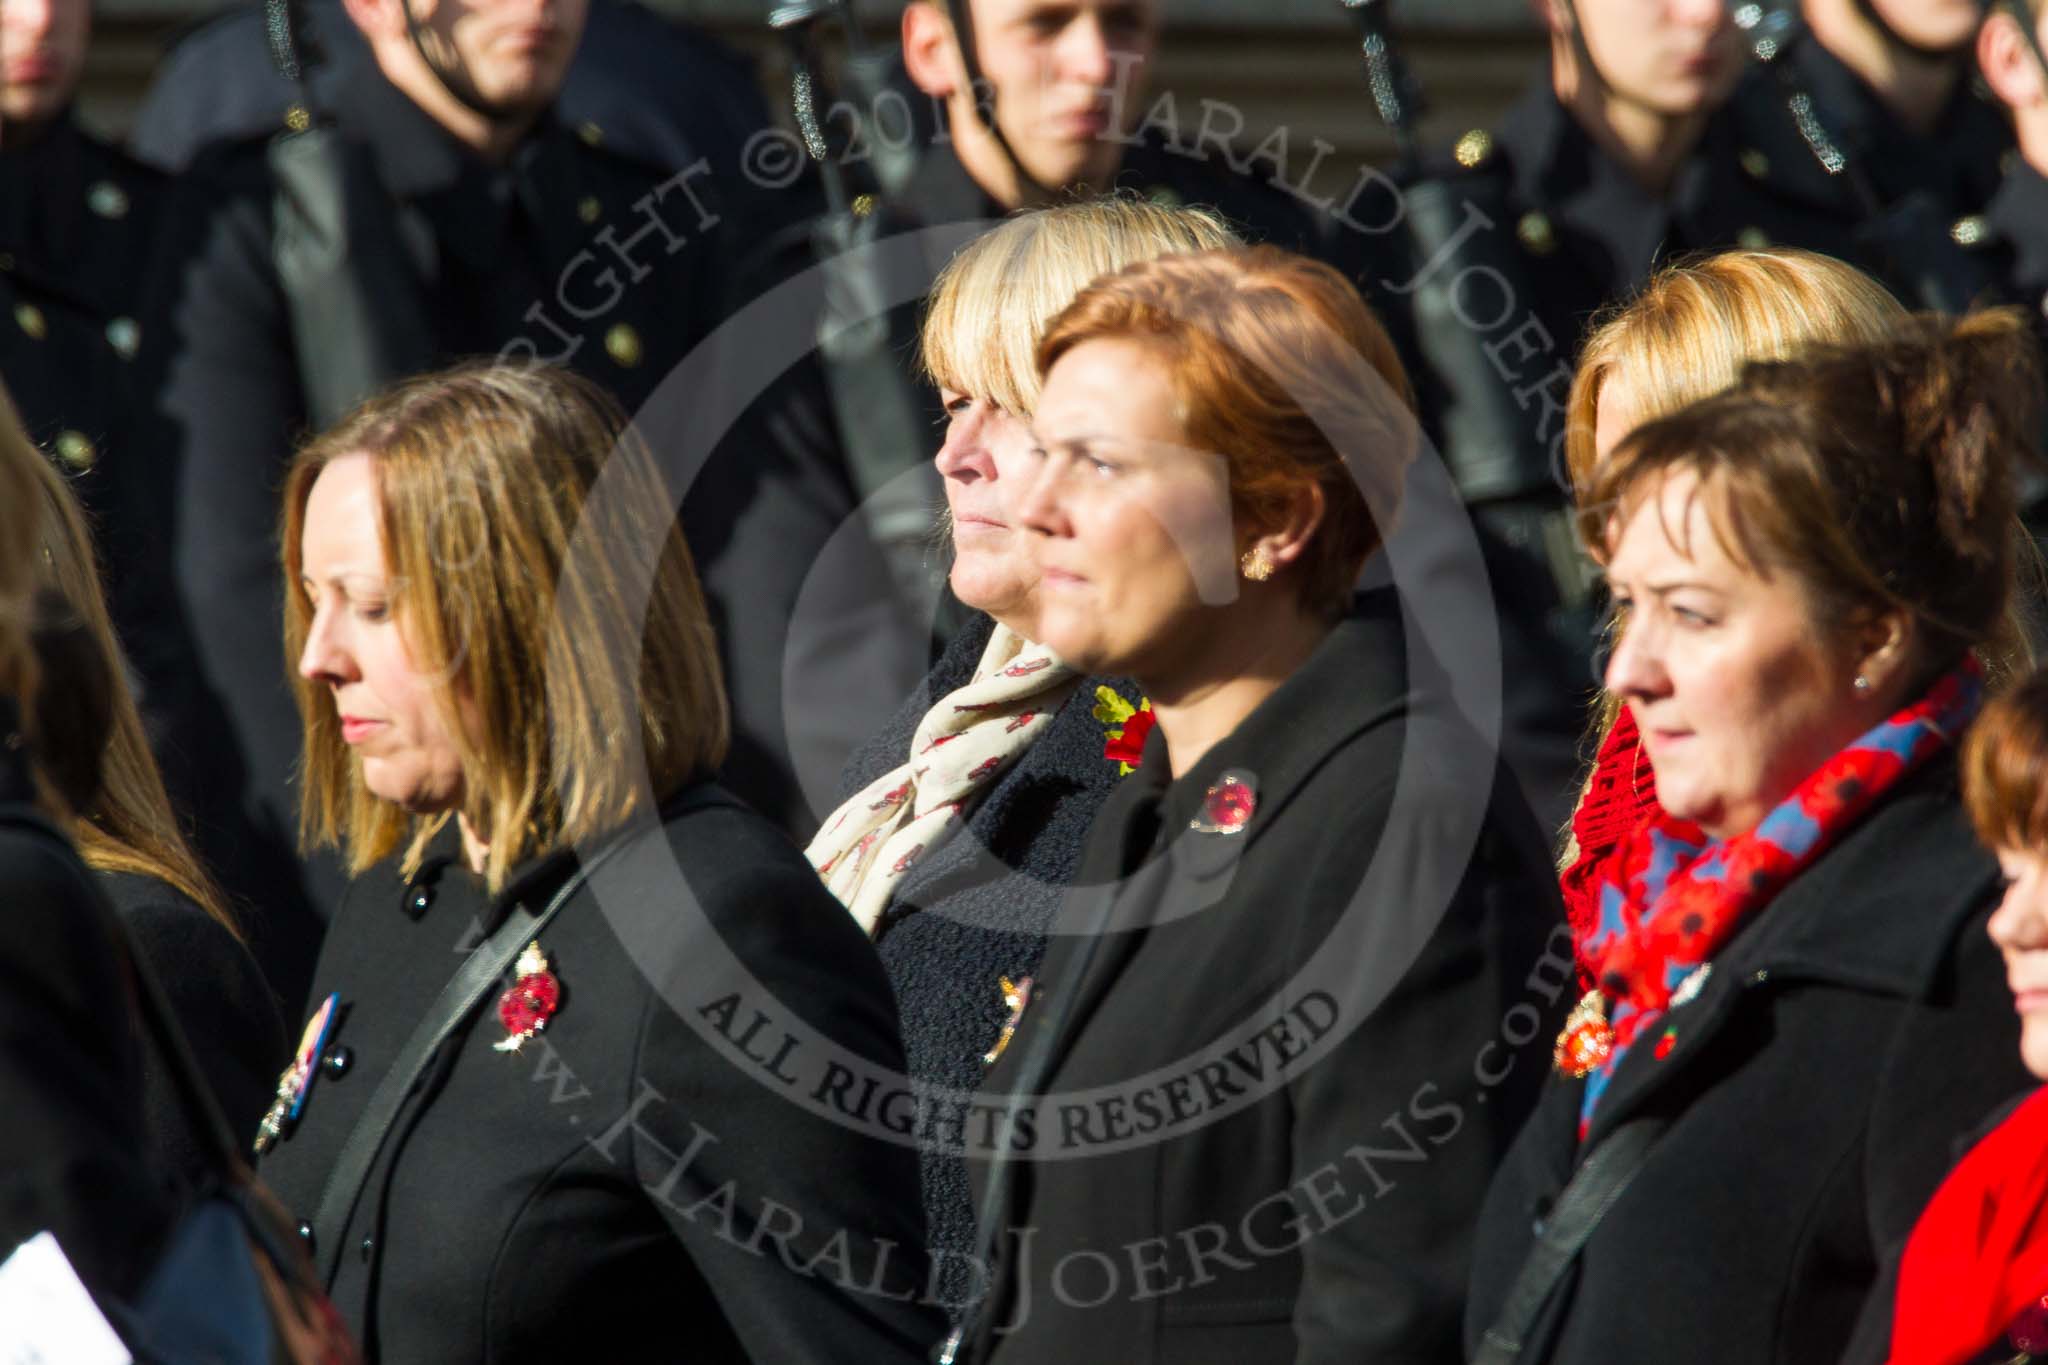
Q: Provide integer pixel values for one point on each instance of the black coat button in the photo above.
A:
(337, 1061)
(305, 1231)
(369, 1245)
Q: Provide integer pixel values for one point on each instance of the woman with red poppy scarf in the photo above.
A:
(1684, 337)
(1794, 1007)
(1973, 1285)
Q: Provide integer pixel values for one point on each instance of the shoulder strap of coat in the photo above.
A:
(1600, 1180)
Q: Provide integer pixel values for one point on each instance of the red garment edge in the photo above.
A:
(1978, 1258)
(1620, 798)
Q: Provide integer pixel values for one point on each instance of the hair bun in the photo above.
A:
(1968, 395)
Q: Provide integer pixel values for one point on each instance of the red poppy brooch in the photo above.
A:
(534, 997)
(1124, 740)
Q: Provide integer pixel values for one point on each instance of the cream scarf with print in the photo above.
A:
(963, 744)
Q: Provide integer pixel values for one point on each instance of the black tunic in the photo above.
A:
(79, 221)
(624, 1187)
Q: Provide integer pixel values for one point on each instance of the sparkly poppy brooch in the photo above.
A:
(534, 997)
(1124, 740)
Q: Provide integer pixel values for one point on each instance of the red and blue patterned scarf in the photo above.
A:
(1676, 896)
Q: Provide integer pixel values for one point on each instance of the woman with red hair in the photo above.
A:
(1298, 924)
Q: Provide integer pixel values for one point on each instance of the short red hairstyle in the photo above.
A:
(2005, 768)
(1280, 368)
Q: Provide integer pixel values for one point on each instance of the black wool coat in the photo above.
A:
(1265, 1076)
(219, 1001)
(1845, 1039)
(639, 1181)
(72, 1151)
(978, 910)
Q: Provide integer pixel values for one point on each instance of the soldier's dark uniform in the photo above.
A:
(567, 253)
(78, 222)
(1590, 234)
(662, 90)
(1949, 174)
(2013, 241)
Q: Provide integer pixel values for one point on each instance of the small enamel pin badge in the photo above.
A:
(1016, 996)
(297, 1079)
(531, 1001)
(1227, 807)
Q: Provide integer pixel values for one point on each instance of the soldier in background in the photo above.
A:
(2010, 52)
(1893, 93)
(78, 219)
(655, 88)
(481, 224)
(1625, 154)
(1044, 99)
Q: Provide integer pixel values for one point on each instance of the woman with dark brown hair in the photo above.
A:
(73, 1151)
(1283, 968)
(97, 763)
(1795, 1010)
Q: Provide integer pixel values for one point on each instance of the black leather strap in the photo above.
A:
(1600, 1180)
(458, 1000)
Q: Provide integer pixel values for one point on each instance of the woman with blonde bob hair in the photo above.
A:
(508, 681)
(961, 827)
(96, 761)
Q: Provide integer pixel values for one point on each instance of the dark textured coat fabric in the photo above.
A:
(625, 1187)
(1266, 1075)
(1815, 1088)
(978, 909)
(220, 1002)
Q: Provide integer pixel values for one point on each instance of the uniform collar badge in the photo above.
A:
(296, 1080)
(532, 1000)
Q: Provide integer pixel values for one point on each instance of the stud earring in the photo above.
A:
(1256, 565)
(1862, 683)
